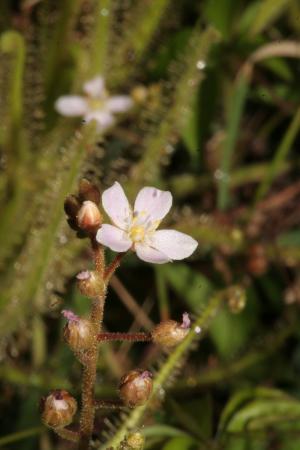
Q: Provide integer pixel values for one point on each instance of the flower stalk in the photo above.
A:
(84, 335)
(89, 374)
(131, 337)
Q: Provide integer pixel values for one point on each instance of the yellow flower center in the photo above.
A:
(137, 233)
(95, 103)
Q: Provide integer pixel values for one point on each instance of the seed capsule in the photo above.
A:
(89, 217)
(136, 387)
(90, 283)
(170, 333)
(58, 409)
(77, 332)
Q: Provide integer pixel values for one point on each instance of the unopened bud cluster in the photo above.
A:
(170, 333)
(82, 210)
(136, 387)
(58, 409)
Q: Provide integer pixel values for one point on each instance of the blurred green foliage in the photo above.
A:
(218, 124)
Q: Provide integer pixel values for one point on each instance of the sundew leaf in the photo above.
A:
(281, 154)
(235, 111)
(171, 50)
(268, 12)
(279, 67)
(190, 133)
(255, 409)
(40, 250)
(236, 442)
(221, 15)
(247, 17)
(180, 443)
(155, 145)
(162, 430)
(259, 414)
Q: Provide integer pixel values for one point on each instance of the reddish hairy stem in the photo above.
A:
(89, 373)
(109, 404)
(113, 267)
(134, 337)
(69, 435)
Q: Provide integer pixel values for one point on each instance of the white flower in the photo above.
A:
(137, 229)
(94, 105)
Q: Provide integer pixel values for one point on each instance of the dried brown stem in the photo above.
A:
(89, 372)
(133, 337)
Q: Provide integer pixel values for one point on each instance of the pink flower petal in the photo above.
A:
(151, 255)
(71, 105)
(174, 244)
(116, 205)
(154, 202)
(113, 238)
(95, 87)
(70, 316)
(104, 119)
(119, 103)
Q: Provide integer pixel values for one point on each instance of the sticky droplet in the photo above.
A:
(201, 64)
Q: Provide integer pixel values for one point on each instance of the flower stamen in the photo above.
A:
(137, 233)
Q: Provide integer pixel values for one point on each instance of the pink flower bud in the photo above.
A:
(77, 332)
(170, 333)
(58, 409)
(89, 217)
(90, 283)
(136, 387)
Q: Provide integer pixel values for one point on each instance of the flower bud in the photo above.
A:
(58, 409)
(236, 296)
(71, 206)
(170, 333)
(89, 217)
(136, 387)
(139, 94)
(257, 263)
(77, 332)
(90, 283)
(88, 191)
(134, 441)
